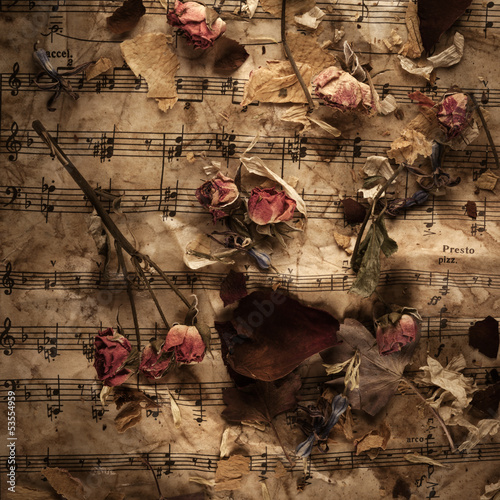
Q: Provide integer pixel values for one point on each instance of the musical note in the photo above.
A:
(7, 340)
(12, 144)
(45, 206)
(167, 196)
(488, 24)
(14, 82)
(7, 281)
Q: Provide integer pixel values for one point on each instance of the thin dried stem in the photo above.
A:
(148, 465)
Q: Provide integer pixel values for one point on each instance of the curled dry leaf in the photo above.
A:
(271, 334)
(276, 82)
(310, 20)
(409, 146)
(491, 492)
(379, 376)
(484, 337)
(484, 428)
(150, 56)
(128, 417)
(102, 65)
(64, 483)
(230, 472)
(233, 288)
(436, 17)
(373, 442)
(126, 17)
(415, 458)
(230, 55)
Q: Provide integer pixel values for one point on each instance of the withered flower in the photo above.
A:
(396, 329)
(268, 206)
(217, 193)
(186, 344)
(155, 361)
(192, 19)
(454, 113)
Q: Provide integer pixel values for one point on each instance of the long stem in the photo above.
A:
(436, 414)
(287, 455)
(148, 465)
(130, 293)
(288, 53)
(369, 213)
(139, 269)
(486, 129)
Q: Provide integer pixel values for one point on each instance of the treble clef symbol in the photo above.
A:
(7, 281)
(14, 82)
(13, 145)
(7, 340)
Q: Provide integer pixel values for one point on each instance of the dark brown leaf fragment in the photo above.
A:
(354, 212)
(230, 55)
(126, 17)
(487, 400)
(471, 209)
(484, 337)
(233, 288)
(436, 17)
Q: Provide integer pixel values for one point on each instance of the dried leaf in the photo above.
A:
(346, 423)
(273, 334)
(484, 336)
(379, 376)
(129, 416)
(407, 147)
(276, 82)
(373, 442)
(64, 483)
(233, 288)
(491, 492)
(437, 17)
(487, 400)
(342, 241)
(98, 68)
(487, 180)
(484, 428)
(150, 56)
(230, 55)
(354, 212)
(413, 48)
(261, 402)
(311, 19)
(415, 458)
(126, 17)
(230, 472)
(379, 168)
(352, 63)
(471, 209)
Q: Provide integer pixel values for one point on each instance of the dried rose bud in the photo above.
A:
(155, 361)
(395, 330)
(454, 114)
(186, 343)
(191, 18)
(112, 353)
(342, 91)
(217, 193)
(268, 206)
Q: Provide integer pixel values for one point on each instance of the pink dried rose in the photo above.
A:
(113, 357)
(454, 114)
(397, 329)
(268, 206)
(186, 343)
(155, 361)
(342, 91)
(191, 17)
(217, 193)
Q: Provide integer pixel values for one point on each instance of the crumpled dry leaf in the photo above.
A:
(128, 417)
(343, 241)
(98, 68)
(379, 376)
(276, 82)
(256, 166)
(415, 458)
(487, 180)
(491, 492)
(484, 336)
(352, 63)
(307, 50)
(376, 167)
(413, 48)
(448, 57)
(230, 55)
(484, 428)
(407, 147)
(126, 17)
(272, 334)
(311, 19)
(436, 17)
(150, 56)
(393, 40)
(373, 442)
(64, 483)
(453, 386)
(293, 7)
(230, 472)
(233, 288)
(299, 114)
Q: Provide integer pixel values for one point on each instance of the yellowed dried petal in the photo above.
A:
(150, 56)
(129, 416)
(98, 68)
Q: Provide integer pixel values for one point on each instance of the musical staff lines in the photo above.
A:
(164, 463)
(387, 12)
(204, 280)
(54, 341)
(194, 89)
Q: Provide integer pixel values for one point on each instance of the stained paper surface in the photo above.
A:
(56, 295)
